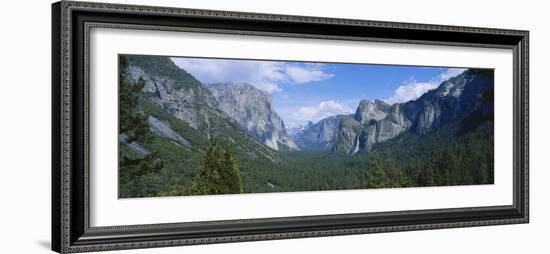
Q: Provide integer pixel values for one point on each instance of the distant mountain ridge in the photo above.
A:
(210, 108)
(318, 136)
(295, 129)
(376, 122)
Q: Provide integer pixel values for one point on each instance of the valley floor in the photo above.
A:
(438, 159)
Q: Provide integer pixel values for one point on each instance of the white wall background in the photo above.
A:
(25, 125)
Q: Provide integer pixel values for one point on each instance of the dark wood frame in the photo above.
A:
(71, 22)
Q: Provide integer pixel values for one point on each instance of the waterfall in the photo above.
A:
(356, 149)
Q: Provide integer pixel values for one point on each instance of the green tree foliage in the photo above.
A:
(395, 174)
(134, 171)
(141, 166)
(376, 174)
(385, 173)
(138, 177)
(218, 173)
(230, 172)
(464, 161)
(131, 122)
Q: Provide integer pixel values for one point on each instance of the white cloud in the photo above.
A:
(302, 75)
(323, 110)
(265, 75)
(450, 73)
(268, 87)
(412, 89)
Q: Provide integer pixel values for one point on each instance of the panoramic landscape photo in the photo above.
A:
(207, 126)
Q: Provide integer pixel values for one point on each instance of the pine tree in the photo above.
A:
(428, 170)
(395, 174)
(231, 175)
(135, 127)
(142, 166)
(218, 173)
(376, 176)
(443, 162)
(401, 179)
(131, 122)
(208, 179)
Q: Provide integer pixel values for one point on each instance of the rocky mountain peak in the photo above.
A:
(382, 104)
(368, 110)
(253, 110)
(376, 122)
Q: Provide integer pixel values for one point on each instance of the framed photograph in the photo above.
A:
(181, 126)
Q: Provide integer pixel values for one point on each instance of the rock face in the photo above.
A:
(376, 122)
(368, 111)
(252, 109)
(346, 134)
(163, 129)
(177, 93)
(134, 146)
(318, 136)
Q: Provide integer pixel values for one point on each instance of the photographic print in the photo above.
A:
(175, 126)
(207, 126)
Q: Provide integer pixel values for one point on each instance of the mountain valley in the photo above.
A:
(406, 143)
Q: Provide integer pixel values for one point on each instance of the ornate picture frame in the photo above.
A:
(71, 24)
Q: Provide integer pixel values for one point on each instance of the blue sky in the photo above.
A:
(304, 92)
